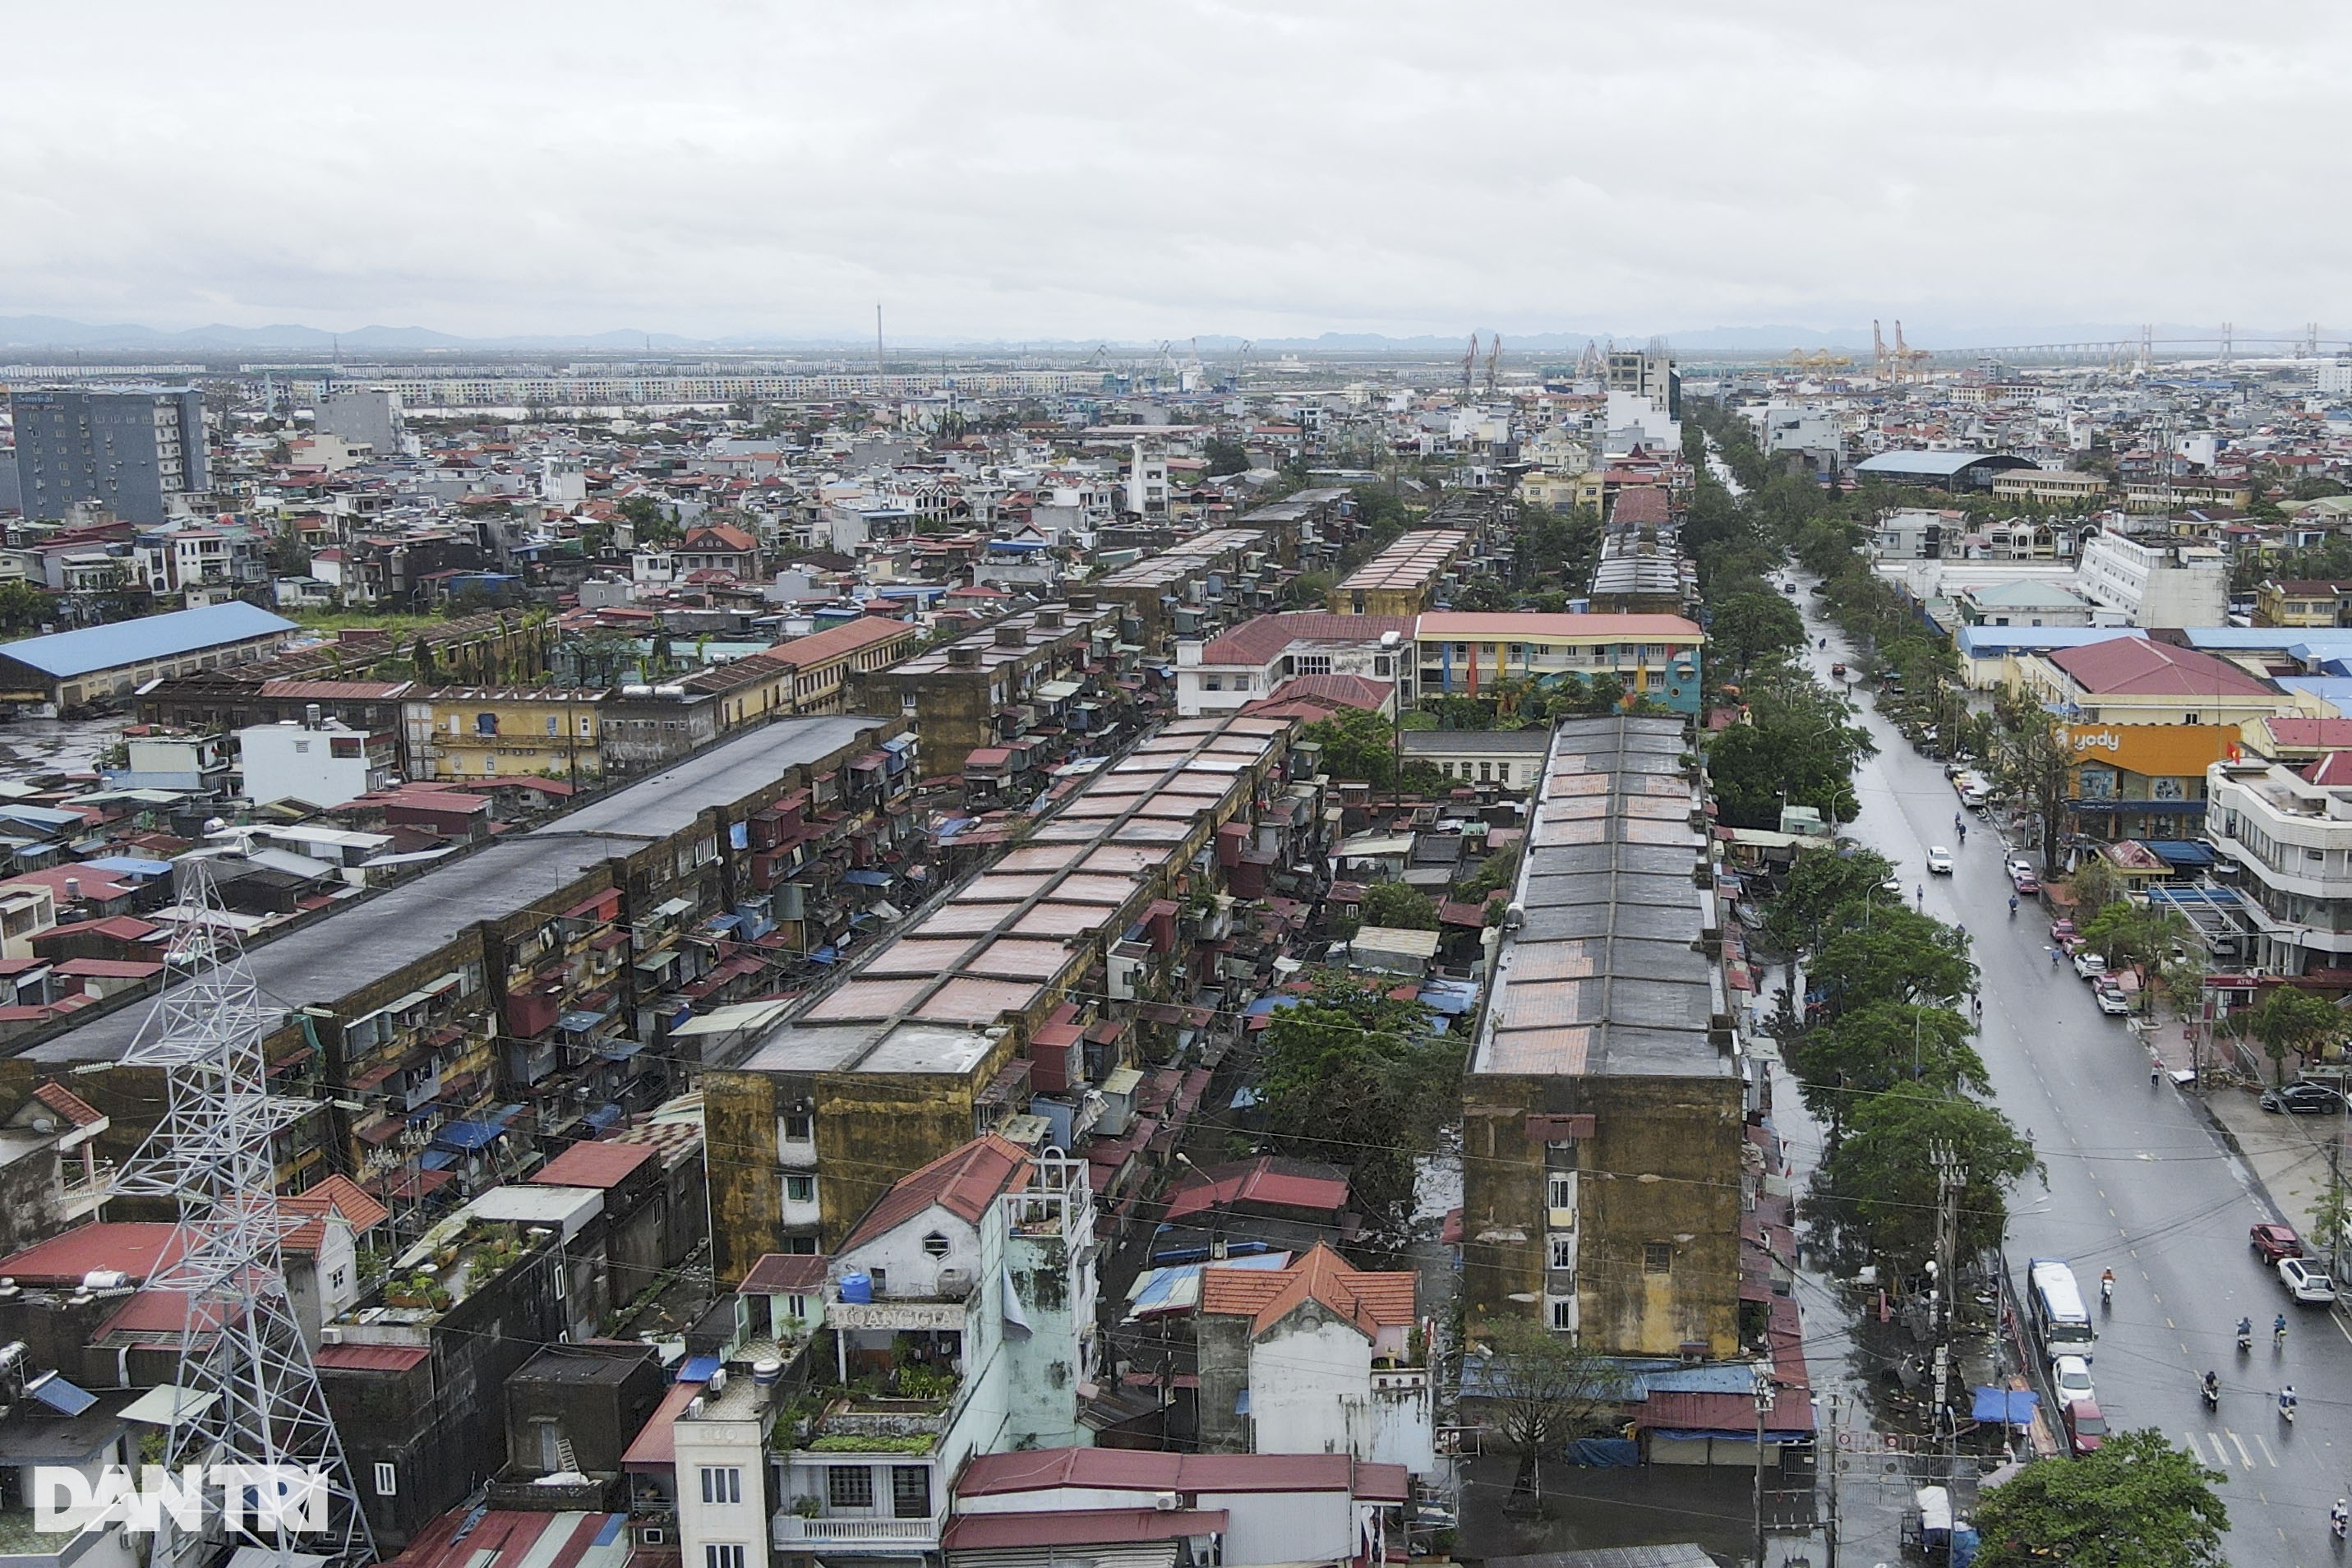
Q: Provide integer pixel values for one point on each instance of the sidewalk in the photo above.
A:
(2288, 1155)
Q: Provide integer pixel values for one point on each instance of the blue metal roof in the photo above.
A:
(150, 637)
(1987, 642)
(468, 1136)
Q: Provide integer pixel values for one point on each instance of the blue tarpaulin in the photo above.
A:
(2009, 1406)
(468, 1136)
(436, 1160)
(823, 955)
(579, 1023)
(604, 1116)
(1605, 1453)
(697, 1368)
(865, 879)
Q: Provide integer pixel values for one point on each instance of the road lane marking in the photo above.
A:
(2260, 1442)
(2241, 1442)
(2193, 1448)
(2171, 1324)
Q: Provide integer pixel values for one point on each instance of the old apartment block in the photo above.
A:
(1604, 1110)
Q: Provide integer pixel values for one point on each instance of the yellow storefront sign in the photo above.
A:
(2151, 751)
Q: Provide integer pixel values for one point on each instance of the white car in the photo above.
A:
(2306, 1280)
(2114, 1004)
(2072, 1375)
(2089, 964)
(1940, 861)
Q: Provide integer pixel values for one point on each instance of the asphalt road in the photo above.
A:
(2137, 1182)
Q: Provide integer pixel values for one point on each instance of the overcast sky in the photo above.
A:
(1136, 171)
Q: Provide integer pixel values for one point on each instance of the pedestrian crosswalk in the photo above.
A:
(2227, 1450)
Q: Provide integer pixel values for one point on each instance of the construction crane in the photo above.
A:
(1469, 363)
(1493, 354)
(1819, 359)
(1589, 364)
(1880, 365)
(1909, 363)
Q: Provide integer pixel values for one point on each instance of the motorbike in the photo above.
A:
(2211, 1391)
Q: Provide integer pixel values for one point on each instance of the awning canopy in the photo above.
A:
(158, 1405)
(468, 1136)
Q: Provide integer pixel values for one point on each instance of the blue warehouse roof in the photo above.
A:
(79, 652)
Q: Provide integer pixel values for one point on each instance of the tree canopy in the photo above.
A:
(1400, 906)
(1900, 956)
(2136, 1501)
(1752, 623)
(1880, 1047)
(1884, 1166)
(1358, 743)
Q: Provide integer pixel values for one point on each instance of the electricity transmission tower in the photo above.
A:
(248, 1393)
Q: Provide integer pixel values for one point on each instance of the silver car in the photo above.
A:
(2306, 1281)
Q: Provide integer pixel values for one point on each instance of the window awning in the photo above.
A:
(622, 1050)
(604, 1116)
(1059, 690)
(158, 1405)
(865, 879)
(581, 1023)
(468, 1136)
(672, 907)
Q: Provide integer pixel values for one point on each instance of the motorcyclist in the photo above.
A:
(2212, 1389)
(2106, 1285)
(2013, 906)
(2340, 1517)
(2278, 1327)
(2286, 1402)
(2245, 1333)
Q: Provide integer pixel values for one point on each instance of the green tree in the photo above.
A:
(1542, 1391)
(1873, 1049)
(1799, 746)
(650, 521)
(1604, 692)
(1495, 875)
(23, 607)
(2096, 884)
(2292, 1019)
(2039, 770)
(1751, 624)
(1884, 1168)
(1352, 1076)
(1819, 888)
(2137, 1501)
(1358, 743)
(1224, 456)
(1399, 907)
(1900, 956)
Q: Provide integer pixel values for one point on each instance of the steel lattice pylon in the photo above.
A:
(239, 1343)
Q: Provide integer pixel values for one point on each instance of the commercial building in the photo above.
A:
(947, 1030)
(1406, 578)
(471, 733)
(2139, 681)
(2051, 487)
(2173, 495)
(2030, 603)
(74, 669)
(2142, 781)
(2296, 604)
(364, 416)
(2159, 585)
(1655, 656)
(996, 687)
(1247, 663)
(1940, 471)
(1650, 375)
(2284, 836)
(1508, 759)
(1604, 1112)
(137, 452)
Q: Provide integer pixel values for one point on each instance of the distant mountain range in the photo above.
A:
(22, 336)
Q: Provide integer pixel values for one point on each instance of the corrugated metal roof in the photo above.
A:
(110, 646)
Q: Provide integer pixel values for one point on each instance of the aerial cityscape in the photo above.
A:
(1005, 786)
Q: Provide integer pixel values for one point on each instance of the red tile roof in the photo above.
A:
(1265, 1180)
(505, 1535)
(964, 1182)
(1255, 642)
(369, 1358)
(134, 1247)
(1370, 1300)
(150, 1313)
(592, 1165)
(1081, 1527)
(784, 1274)
(335, 1195)
(2310, 733)
(69, 1104)
(2135, 666)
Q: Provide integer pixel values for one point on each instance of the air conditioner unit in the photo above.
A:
(718, 1381)
(1166, 1502)
(652, 1535)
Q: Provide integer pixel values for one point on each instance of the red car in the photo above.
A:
(2086, 1427)
(2274, 1242)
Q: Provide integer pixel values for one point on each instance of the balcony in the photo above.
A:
(899, 1535)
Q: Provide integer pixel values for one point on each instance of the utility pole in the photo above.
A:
(1829, 1534)
(1949, 1181)
(1763, 1374)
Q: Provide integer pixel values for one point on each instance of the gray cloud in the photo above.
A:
(1062, 170)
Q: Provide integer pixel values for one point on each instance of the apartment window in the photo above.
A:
(338, 1279)
(722, 1555)
(799, 1189)
(489, 766)
(849, 1486)
(910, 1491)
(1563, 1314)
(1657, 1258)
(2190, 718)
(722, 1483)
(1563, 1193)
(555, 725)
(936, 1244)
(800, 1127)
(1564, 1252)
(387, 1481)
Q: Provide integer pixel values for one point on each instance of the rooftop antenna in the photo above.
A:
(248, 1392)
